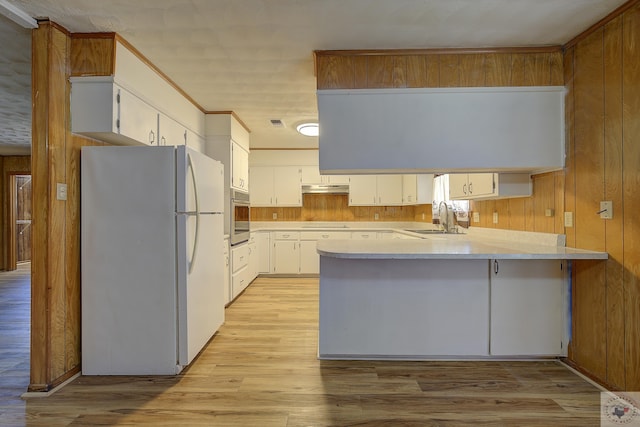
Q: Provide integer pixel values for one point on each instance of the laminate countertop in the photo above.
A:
(449, 247)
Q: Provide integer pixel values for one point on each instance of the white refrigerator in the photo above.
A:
(152, 262)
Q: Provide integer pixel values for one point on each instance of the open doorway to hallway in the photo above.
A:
(22, 215)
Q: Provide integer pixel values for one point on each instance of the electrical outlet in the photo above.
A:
(606, 209)
(548, 212)
(476, 217)
(495, 217)
(376, 216)
(275, 215)
(61, 191)
(568, 219)
(423, 216)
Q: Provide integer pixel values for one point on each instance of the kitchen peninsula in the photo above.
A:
(447, 296)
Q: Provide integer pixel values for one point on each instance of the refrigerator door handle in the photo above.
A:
(195, 194)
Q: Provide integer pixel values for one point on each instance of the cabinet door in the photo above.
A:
(253, 262)
(239, 282)
(409, 189)
(239, 167)
(335, 179)
(311, 175)
(195, 141)
(389, 189)
(286, 257)
(286, 183)
(481, 184)
(264, 250)
(261, 186)
(526, 307)
(136, 119)
(170, 132)
(362, 190)
(458, 186)
(226, 268)
(309, 258)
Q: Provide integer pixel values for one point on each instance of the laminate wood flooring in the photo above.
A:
(15, 325)
(261, 369)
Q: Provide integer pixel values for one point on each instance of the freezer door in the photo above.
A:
(200, 182)
(200, 283)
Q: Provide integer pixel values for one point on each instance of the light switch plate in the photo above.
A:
(606, 209)
(495, 217)
(376, 216)
(568, 219)
(476, 217)
(275, 215)
(61, 191)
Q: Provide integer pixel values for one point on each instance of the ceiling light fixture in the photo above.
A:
(308, 129)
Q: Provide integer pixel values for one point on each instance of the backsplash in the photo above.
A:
(335, 207)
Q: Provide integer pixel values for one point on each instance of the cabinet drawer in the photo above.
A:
(239, 257)
(324, 235)
(239, 281)
(370, 235)
(286, 235)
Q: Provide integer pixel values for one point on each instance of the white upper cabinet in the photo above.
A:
(276, 186)
(170, 132)
(363, 190)
(375, 190)
(239, 167)
(475, 186)
(134, 106)
(511, 129)
(417, 189)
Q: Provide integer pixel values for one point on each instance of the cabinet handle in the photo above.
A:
(241, 258)
(285, 236)
(464, 189)
(495, 266)
(163, 140)
(152, 137)
(471, 188)
(325, 236)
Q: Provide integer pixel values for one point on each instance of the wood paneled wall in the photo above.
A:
(9, 165)
(55, 265)
(451, 68)
(335, 207)
(603, 75)
(527, 213)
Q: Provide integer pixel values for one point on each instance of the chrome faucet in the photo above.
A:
(446, 220)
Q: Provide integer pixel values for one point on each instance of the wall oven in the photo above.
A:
(240, 210)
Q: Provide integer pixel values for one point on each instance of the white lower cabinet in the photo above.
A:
(253, 261)
(264, 252)
(309, 258)
(227, 272)
(239, 269)
(527, 307)
(285, 254)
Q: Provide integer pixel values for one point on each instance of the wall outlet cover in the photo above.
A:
(495, 217)
(568, 219)
(476, 217)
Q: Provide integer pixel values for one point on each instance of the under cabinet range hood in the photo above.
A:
(325, 189)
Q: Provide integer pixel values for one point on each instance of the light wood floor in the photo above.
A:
(261, 370)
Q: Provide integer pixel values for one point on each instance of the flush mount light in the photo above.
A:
(308, 129)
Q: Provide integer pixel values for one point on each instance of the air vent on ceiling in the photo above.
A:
(277, 123)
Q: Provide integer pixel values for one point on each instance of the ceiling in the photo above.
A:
(255, 57)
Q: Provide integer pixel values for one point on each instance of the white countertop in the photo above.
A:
(475, 243)
(448, 247)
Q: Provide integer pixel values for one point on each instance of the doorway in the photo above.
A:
(19, 220)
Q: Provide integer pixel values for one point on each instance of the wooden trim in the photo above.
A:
(234, 115)
(139, 55)
(610, 17)
(570, 363)
(438, 51)
(43, 388)
(93, 35)
(10, 223)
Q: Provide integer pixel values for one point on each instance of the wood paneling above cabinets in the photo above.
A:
(439, 68)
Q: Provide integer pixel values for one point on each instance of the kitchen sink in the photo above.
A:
(431, 232)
